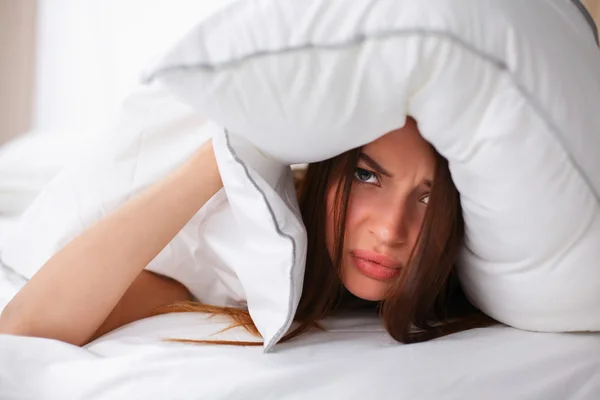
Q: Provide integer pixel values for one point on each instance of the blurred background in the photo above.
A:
(65, 65)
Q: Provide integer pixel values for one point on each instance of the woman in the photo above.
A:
(384, 225)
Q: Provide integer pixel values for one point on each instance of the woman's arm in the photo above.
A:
(146, 294)
(77, 289)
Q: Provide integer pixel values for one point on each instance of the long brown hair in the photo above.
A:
(424, 303)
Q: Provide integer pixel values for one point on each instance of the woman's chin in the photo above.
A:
(365, 288)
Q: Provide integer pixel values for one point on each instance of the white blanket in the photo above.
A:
(10, 282)
(353, 359)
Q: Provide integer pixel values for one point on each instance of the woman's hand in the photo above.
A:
(75, 291)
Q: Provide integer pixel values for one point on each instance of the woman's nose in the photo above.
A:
(390, 226)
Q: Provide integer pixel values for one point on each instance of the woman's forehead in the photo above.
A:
(405, 142)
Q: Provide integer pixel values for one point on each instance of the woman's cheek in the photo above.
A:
(362, 201)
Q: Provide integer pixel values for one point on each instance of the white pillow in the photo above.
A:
(239, 249)
(29, 162)
(508, 91)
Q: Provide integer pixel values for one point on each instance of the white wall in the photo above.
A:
(91, 52)
(17, 27)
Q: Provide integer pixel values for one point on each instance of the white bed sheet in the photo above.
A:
(6, 224)
(353, 359)
(10, 282)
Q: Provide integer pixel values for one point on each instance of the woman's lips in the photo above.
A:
(376, 266)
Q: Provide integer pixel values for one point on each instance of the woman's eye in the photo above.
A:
(365, 176)
(424, 199)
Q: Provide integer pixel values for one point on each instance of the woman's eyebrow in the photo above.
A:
(374, 164)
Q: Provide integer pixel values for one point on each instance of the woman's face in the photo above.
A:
(386, 209)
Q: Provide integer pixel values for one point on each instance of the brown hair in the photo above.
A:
(425, 302)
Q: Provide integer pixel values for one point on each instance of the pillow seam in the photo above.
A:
(292, 291)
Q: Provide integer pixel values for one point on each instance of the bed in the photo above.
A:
(352, 359)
